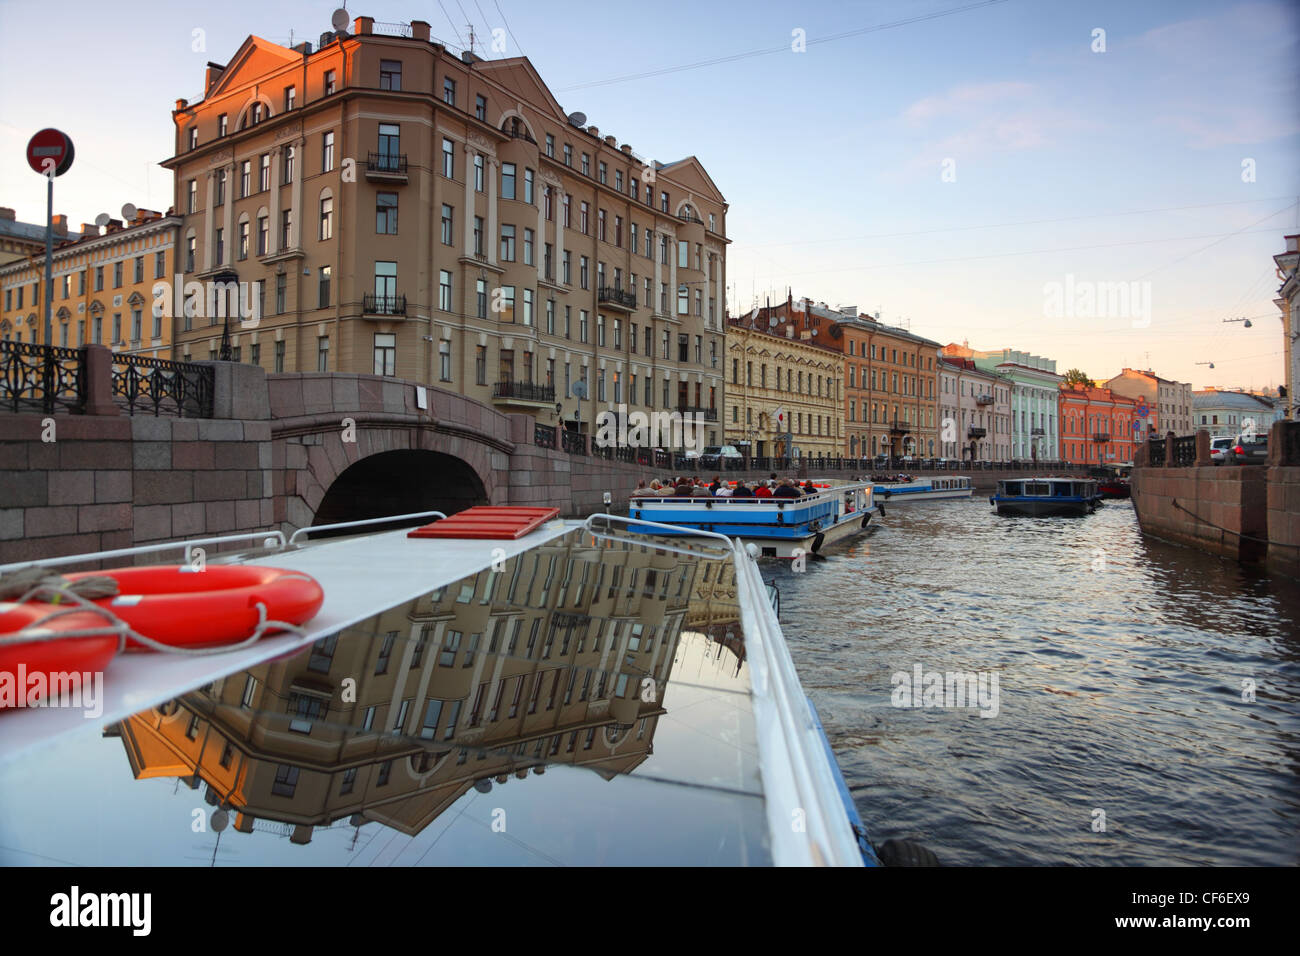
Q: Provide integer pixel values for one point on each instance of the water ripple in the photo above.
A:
(1123, 669)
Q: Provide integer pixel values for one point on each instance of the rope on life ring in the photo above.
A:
(115, 625)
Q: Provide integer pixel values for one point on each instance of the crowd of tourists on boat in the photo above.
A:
(694, 487)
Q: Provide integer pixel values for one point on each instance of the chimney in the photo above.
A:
(89, 229)
(60, 225)
(420, 30)
(304, 48)
(181, 104)
(611, 141)
(626, 149)
(213, 74)
(362, 26)
(593, 131)
(6, 213)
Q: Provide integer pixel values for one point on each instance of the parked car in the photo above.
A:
(721, 457)
(1219, 448)
(1245, 451)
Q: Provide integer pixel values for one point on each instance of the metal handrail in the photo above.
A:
(677, 529)
(147, 549)
(293, 538)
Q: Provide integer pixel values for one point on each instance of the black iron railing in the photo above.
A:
(162, 387)
(373, 304)
(976, 432)
(1185, 451)
(984, 400)
(620, 297)
(1101, 437)
(575, 443)
(706, 414)
(42, 378)
(544, 436)
(900, 427)
(386, 162)
(524, 391)
(1156, 452)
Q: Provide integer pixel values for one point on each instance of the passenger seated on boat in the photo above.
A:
(786, 490)
(641, 489)
(655, 488)
(724, 491)
(742, 491)
(684, 488)
(717, 483)
(701, 490)
(764, 490)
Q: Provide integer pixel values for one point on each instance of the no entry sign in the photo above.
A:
(50, 152)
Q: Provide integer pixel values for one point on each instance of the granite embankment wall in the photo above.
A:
(1249, 513)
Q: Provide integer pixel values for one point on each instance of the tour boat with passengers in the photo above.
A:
(779, 527)
(583, 673)
(923, 489)
(1046, 496)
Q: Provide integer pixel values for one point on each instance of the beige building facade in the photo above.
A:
(399, 210)
(104, 288)
(774, 365)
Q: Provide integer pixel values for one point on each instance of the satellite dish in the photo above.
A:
(129, 212)
(1211, 365)
(773, 321)
(103, 219)
(1247, 325)
(483, 786)
(579, 389)
(339, 19)
(577, 119)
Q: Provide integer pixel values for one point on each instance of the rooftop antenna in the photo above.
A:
(471, 36)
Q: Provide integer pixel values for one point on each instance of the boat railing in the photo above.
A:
(796, 769)
(293, 539)
(271, 540)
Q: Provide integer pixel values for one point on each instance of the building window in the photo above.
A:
(280, 284)
(444, 361)
(243, 240)
(508, 243)
(481, 297)
(449, 91)
(279, 356)
(385, 353)
(290, 95)
(448, 159)
(444, 290)
(245, 177)
(322, 353)
(390, 74)
(327, 152)
(264, 173)
(528, 186)
(478, 235)
(550, 145)
(221, 188)
(479, 168)
(480, 106)
(223, 124)
(286, 229)
(568, 155)
(480, 365)
(324, 299)
(192, 202)
(386, 214)
(447, 225)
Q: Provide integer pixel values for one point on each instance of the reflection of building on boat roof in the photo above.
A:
(476, 681)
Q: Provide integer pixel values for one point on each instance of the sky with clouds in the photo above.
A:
(955, 165)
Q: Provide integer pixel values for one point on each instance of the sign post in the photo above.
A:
(49, 153)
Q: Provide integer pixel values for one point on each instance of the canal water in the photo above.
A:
(1125, 731)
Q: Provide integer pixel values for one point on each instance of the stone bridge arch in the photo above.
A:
(346, 447)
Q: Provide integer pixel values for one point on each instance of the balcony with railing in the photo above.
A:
(1037, 431)
(374, 305)
(617, 298)
(526, 394)
(983, 399)
(900, 428)
(706, 414)
(974, 431)
(1101, 437)
(386, 167)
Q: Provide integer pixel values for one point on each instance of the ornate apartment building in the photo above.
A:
(1168, 404)
(397, 209)
(974, 412)
(104, 288)
(1097, 426)
(775, 364)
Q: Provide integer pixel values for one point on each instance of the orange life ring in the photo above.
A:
(19, 662)
(181, 607)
